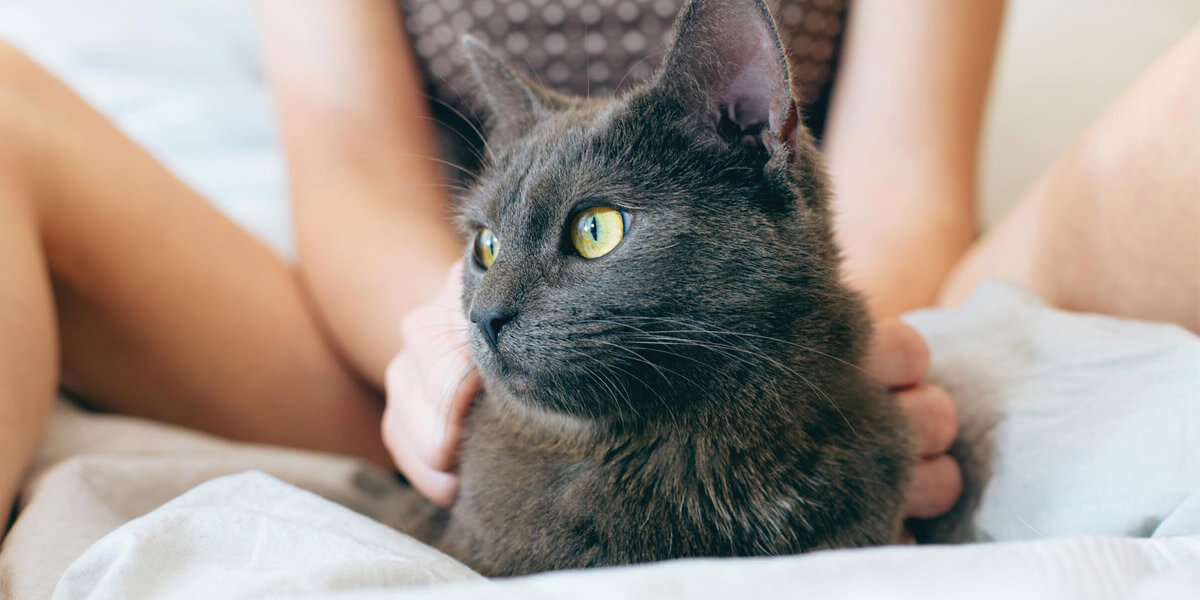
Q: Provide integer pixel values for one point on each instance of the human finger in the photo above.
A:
(934, 487)
(898, 355)
(407, 426)
(932, 418)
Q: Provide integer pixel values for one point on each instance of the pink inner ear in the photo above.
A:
(756, 87)
(727, 61)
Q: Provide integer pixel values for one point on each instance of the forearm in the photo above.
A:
(902, 142)
(370, 210)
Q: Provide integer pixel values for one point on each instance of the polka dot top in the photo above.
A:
(597, 46)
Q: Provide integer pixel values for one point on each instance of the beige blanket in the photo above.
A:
(96, 472)
(254, 536)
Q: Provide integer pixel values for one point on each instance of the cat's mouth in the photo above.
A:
(520, 382)
(506, 371)
(514, 377)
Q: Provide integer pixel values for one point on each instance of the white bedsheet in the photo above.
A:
(251, 536)
(1099, 418)
(1101, 432)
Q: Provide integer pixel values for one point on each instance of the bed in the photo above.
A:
(1095, 480)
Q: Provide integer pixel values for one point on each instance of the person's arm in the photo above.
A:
(902, 140)
(370, 210)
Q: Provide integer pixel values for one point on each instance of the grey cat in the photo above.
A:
(669, 356)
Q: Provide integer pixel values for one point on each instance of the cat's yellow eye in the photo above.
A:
(486, 247)
(596, 231)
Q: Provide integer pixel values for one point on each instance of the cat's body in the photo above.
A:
(545, 493)
(694, 391)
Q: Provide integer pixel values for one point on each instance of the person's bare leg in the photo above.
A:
(28, 353)
(1114, 226)
(166, 309)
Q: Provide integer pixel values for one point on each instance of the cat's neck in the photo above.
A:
(752, 416)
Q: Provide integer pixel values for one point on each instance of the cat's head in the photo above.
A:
(648, 250)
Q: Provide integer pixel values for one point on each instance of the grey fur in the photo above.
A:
(696, 391)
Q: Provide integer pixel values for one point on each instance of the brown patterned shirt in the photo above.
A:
(599, 46)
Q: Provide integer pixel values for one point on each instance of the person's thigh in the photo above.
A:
(166, 308)
(28, 354)
(1114, 226)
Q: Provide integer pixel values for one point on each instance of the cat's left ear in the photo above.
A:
(727, 66)
(514, 101)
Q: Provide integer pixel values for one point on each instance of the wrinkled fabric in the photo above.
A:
(1080, 473)
(1098, 419)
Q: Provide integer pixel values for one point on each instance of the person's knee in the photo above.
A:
(15, 198)
(7, 52)
(18, 119)
(24, 87)
(15, 67)
(15, 191)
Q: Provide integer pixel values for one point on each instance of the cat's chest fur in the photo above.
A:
(542, 493)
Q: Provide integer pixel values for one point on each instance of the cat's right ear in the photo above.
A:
(514, 101)
(727, 68)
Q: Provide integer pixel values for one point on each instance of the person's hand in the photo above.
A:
(430, 387)
(899, 358)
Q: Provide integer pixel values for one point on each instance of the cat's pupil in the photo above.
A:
(592, 229)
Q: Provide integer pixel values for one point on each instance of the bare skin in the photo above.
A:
(902, 140)
(161, 306)
(371, 209)
(165, 309)
(1114, 226)
(27, 321)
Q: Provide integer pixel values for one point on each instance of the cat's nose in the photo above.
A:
(490, 322)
